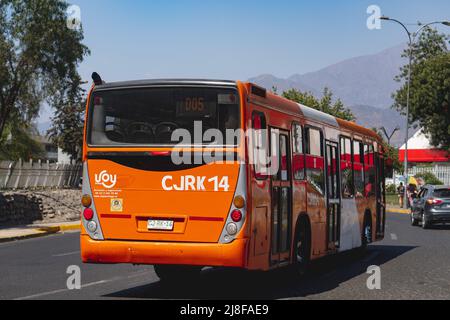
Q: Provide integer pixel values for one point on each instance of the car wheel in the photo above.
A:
(425, 222)
(414, 221)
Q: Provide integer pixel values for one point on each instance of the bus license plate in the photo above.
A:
(166, 225)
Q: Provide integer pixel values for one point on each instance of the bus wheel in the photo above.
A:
(366, 236)
(302, 249)
(177, 273)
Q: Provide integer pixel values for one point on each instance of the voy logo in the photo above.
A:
(105, 179)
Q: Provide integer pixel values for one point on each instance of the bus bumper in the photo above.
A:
(201, 254)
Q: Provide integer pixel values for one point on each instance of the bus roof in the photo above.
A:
(284, 104)
(164, 82)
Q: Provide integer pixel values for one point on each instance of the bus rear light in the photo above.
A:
(232, 229)
(236, 215)
(239, 202)
(86, 201)
(92, 226)
(435, 201)
(88, 214)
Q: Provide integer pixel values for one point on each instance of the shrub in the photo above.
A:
(391, 189)
(429, 178)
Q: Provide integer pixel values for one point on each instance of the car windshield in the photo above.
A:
(149, 116)
(442, 193)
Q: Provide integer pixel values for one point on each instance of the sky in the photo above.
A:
(232, 39)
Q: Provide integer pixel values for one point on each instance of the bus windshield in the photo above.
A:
(149, 116)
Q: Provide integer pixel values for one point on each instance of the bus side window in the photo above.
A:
(314, 159)
(358, 167)
(298, 158)
(260, 155)
(275, 154)
(346, 168)
(369, 169)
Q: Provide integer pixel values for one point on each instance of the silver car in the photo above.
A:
(431, 206)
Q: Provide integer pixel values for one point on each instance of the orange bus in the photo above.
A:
(325, 193)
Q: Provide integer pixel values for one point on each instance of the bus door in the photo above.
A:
(380, 194)
(281, 197)
(333, 195)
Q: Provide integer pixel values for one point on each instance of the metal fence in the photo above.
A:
(37, 174)
(441, 171)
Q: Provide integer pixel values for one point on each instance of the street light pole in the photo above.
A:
(389, 136)
(411, 39)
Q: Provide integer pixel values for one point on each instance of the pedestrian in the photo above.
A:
(420, 182)
(411, 192)
(401, 194)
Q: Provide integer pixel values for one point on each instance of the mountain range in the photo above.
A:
(365, 84)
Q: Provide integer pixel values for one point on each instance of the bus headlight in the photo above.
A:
(232, 228)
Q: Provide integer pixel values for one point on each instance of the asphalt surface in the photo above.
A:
(414, 264)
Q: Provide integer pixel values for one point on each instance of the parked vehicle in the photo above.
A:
(431, 206)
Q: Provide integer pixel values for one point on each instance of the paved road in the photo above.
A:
(415, 264)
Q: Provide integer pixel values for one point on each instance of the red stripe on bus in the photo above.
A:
(205, 219)
(116, 216)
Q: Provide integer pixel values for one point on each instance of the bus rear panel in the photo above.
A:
(148, 205)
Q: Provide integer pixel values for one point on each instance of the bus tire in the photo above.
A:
(177, 273)
(302, 247)
(366, 236)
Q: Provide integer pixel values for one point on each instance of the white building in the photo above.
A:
(422, 157)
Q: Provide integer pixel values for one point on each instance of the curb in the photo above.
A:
(69, 227)
(43, 231)
(401, 211)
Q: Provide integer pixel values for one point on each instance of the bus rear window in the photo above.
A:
(149, 116)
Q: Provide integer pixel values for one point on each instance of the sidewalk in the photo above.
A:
(38, 230)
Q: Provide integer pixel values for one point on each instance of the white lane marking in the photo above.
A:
(41, 294)
(394, 236)
(48, 293)
(66, 254)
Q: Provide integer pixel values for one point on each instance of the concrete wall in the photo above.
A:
(31, 175)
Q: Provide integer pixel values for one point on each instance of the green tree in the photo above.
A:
(68, 120)
(39, 56)
(429, 178)
(324, 104)
(430, 87)
(391, 154)
(18, 143)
